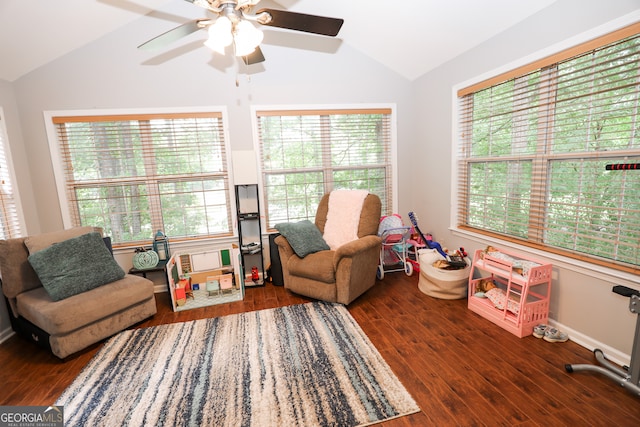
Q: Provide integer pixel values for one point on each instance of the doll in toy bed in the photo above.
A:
(520, 266)
(485, 288)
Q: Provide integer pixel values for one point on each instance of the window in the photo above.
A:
(10, 218)
(307, 153)
(534, 145)
(135, 174)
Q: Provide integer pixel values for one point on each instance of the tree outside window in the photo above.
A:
(534, 149)
(134, 175)
(307, 153)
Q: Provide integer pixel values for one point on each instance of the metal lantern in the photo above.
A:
(161, 246)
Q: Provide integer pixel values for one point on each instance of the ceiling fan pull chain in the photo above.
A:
(237, 67)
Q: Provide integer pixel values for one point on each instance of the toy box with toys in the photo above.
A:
(509, 289)
(443, 278)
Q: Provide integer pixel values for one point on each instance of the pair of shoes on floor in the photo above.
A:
(549, 333)
(539, 330)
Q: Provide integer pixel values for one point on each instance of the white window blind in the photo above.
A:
(307, 153)
(10, 224)
(135, 174)
(533, 150)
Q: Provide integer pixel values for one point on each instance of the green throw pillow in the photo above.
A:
(304, 237)
(75, 265)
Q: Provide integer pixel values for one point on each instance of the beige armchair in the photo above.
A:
(50, 302)
(339, 275)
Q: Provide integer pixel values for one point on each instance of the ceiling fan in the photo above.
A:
(233, 26)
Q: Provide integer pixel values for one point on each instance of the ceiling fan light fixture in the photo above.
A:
(234, 23)
(246, 38)
(219, 35)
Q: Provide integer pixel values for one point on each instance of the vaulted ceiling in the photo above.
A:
(410, 37)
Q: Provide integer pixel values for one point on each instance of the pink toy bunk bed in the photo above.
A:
(520, 300)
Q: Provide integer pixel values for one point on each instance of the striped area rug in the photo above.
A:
(301, 365)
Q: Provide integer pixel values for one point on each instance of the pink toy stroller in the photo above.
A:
(393, 255)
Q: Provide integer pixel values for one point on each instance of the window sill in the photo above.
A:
(183, 245)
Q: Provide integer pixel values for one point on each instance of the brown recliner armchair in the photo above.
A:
(339, 275)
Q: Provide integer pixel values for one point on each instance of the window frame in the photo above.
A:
(59, 171)
(18, 228)
(309, 109)
(584, 42)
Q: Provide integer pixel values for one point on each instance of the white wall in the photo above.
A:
(582, 301)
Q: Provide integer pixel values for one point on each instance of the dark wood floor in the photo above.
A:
(460, 368)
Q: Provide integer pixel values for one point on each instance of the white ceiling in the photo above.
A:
(410, 37)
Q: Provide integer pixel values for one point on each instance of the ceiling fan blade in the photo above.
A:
(254, 57)
(303, 22)
(170, 36)
(201, 3)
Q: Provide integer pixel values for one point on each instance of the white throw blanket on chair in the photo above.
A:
(343, 216)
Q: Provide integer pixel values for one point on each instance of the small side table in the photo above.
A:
(143, 271)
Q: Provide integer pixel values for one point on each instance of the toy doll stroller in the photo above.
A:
(394, 255)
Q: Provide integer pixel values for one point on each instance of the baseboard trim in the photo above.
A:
(589, 343)
(6, 334)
